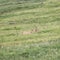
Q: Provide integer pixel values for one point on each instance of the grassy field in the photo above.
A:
(29, 30)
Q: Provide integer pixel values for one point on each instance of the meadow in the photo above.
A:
(29, 30)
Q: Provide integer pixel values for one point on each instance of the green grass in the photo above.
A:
(19, 16)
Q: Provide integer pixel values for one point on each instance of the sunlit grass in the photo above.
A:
(19, 16)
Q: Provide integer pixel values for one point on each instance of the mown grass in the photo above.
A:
(19, 16)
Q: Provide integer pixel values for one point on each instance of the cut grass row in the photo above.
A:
(41, 45)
